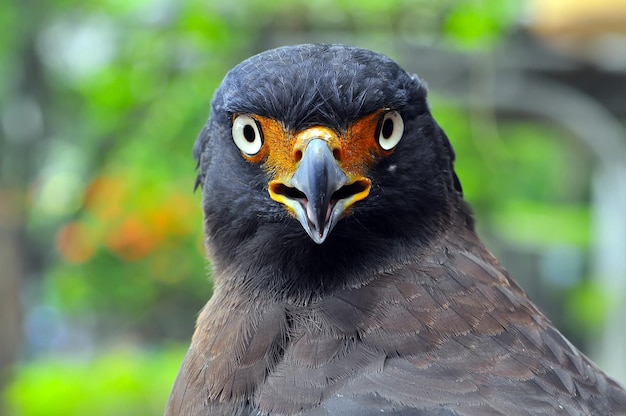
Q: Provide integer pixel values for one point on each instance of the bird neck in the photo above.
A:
(243, 333)
(274, 263)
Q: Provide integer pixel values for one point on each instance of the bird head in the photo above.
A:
(335, 138)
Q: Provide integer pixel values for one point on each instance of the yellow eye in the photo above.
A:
(247, 135)
(390, 130)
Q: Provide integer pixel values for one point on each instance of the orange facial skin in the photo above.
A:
(318, 173)
(354, 149)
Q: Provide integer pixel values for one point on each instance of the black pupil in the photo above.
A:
(248, 133)
(387, 128)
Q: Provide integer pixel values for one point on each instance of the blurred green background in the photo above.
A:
(102, 271)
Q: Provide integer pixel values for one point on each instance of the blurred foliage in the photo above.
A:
(127, 87)
(586, 305)
(123, 382)
(101, 104)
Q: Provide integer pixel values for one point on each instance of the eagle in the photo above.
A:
(348, 275)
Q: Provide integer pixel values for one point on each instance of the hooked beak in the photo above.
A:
(319, 192)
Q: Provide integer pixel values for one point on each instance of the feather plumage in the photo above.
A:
(401, 310)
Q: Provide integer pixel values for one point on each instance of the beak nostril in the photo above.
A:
(298, 155)
(337, 154)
